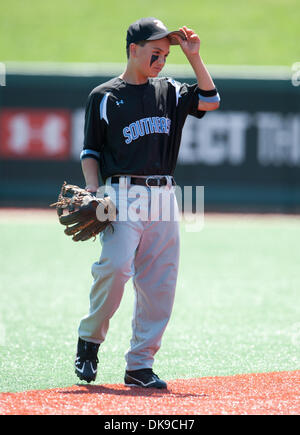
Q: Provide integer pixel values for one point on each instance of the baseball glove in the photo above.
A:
(83, 214)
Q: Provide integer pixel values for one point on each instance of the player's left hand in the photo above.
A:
(191, 45)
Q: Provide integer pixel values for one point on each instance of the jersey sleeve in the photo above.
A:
(187, 99)
(94, 128)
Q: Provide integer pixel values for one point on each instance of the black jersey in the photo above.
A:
(136, 129)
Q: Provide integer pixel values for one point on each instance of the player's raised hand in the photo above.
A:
(191, 45)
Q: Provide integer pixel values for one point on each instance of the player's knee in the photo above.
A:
(120, 268)
(117, 267)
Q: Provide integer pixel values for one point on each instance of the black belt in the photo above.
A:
(150, 181)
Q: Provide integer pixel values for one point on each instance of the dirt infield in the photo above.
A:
(276, 393)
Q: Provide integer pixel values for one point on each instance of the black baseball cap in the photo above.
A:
(151, 29)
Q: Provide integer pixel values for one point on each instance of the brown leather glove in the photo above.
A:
(82, 213)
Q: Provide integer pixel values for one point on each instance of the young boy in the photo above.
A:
(133, 128)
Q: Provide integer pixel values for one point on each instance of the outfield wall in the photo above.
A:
(246, 154)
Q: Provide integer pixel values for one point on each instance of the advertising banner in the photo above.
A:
(35, 134)
(246, 155)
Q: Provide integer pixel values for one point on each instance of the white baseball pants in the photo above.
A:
(146, 249)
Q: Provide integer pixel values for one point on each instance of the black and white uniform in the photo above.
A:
(134, 131)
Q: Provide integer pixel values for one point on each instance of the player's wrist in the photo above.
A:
(196, 62)
(193, 52)
(194, 57)
(91, 188)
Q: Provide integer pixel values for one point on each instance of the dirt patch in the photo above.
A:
(253, 394)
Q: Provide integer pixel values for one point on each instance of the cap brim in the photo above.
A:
(174, 40)
(170, 35)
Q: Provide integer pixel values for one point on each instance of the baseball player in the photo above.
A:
(133, 127)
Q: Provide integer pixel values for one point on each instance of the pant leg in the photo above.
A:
(110, 274)
(156, 268)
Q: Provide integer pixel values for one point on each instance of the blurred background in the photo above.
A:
(246, 154)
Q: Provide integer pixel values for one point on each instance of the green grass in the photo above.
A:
(236, 308)
(232, 32)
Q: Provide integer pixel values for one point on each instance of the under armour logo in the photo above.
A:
(118, 103)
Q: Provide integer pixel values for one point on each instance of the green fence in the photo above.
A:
(246, 154)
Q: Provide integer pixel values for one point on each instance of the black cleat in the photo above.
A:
(143, 378)
(86, 360)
